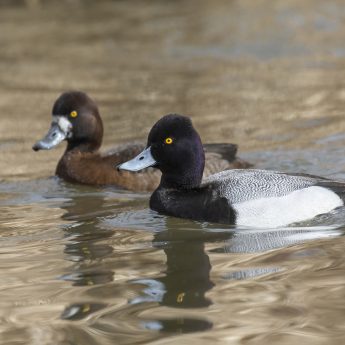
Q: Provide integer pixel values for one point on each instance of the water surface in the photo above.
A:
(85, 265)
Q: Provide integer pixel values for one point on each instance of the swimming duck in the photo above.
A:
(250, 197)
(76, 119)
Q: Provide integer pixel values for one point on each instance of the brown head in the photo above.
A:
(75, 119)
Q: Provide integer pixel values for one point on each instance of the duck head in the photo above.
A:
(174, 147)
(75, 119)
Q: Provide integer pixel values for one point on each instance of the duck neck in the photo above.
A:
(170, 181)
(84, 145)
(188, 177)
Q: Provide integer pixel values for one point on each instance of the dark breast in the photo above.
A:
(201, 204)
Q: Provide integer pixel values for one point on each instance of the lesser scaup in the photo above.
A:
(241, 197)
(76, 119)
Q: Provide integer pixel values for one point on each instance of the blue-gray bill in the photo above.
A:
(141, 161)
(53, 138)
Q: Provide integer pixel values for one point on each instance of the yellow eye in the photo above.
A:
(180, 297)
(168, 141)
(73, 113)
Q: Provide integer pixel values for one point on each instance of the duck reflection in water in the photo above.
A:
(186, 280)
(187, 276)
(85, 247)
(85, 234)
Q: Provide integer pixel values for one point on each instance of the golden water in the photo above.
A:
(83, 265)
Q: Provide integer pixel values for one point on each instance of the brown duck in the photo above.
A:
(76, 119)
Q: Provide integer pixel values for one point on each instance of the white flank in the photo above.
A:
(297, 206)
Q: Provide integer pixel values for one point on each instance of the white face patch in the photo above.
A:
(64, 125)
(59, 130)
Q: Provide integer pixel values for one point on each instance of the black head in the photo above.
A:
(75, 119)
(177, 149)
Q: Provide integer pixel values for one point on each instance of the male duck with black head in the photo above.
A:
(251, 197)
(76, 119)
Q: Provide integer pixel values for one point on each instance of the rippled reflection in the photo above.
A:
(187, 275)
(79, 311)
(82, 265)
(148, 279)
(85, 246)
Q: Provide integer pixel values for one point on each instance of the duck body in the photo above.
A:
(251, 197)
(93, 168)
(76, 119)
(257, 198)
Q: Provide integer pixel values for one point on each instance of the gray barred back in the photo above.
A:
(242, 185)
